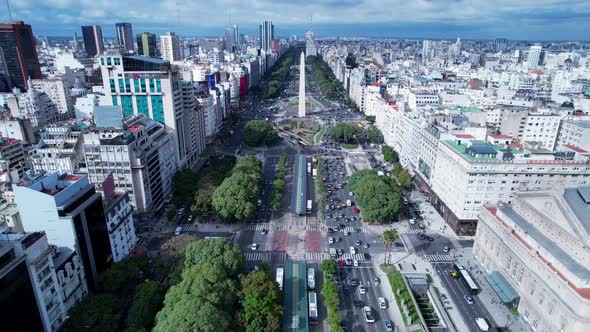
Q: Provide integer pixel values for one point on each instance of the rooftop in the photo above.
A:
(578, 200)
(583, 124)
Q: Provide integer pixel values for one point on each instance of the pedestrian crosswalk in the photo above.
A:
(316, 256)
(358, 257)
(185, 228)
(414, 231)
(267, 226)
(316, 228)
(438, 258)
(354, 229)
(266, 256)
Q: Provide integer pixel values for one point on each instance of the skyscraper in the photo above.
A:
(170, 47)
(146, 44)
(18, 56)
(425, 51)
(267, 34)
(231, 38)
(76, 44)
(93, 43)
(125, 36)
(534, 56)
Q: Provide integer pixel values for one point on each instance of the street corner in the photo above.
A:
(313, 240)
(279, 241)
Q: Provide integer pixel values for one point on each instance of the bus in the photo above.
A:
(313, 308)
(279, 279)
(309, 206)
(469, 283)
(311, 278)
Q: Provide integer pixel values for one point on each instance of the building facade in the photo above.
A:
(119, 218)
(125, 36)
(18, 56)
(59, 150)
(170, 47)
(266, 32)
(539, 244)
(93, 42)
(146, 44)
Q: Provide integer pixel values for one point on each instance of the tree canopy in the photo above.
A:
(344, 132)
(374, 135)
(122, 277)
(259, 133)
(185, 183)
(96, 313)
(379, 197)
(235, 199)
(146, 304)
(389, 154)
(262, 304)
(327, 82)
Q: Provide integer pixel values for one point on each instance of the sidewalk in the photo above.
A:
(502, 316)
(385, 288)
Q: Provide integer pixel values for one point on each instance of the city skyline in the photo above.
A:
(542, 20)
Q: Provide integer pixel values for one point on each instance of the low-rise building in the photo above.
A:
(575, 133)
(59, 150)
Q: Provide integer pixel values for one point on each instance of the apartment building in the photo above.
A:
(537, 247)
(469, 174)
(542, 129)
(51, 281)
(575, 133)
(119, 218)
(11, 150)
(59, 93)
(59, 150)
(140, 159)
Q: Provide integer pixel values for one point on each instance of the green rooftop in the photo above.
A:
(461, 149)
(471, 109)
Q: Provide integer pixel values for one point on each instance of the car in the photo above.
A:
(346, 290)
(340, 252)
(342, 226)
(366, 245)
(190, 218)
(446, 249)
(388, 325)
(356, 210)
(359, 242)
(352, 250)
(382, 303)
(369, 317)
(355, 263)
(421, 226)
(254, 246)
(330, 240)
(362, 290)
(348, 261)
(358, 229)
(178, 230)
(421, 236)
(358, 304)
(429, 238)
(376, 281)
(264, 231)
(342, 274)
(412, 221)
(468, 299)
(354, 282)
(398, 244)
(331, 230)
(454, 275)
(347, 233)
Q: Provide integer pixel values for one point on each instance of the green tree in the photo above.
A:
(122, 277)
(262, 308)
(96, 313)
(293, 124)
(374, 135)
(405, 179)
(235, 199)
(328, 268)
(302, 124)
(370, 118)
(344, 132)
(259, 133)
(219, 252)
(146, 304)
(389, 154)
(388, 237)
(202, 202)
(185, 183)
(378, 196)
(397, 169)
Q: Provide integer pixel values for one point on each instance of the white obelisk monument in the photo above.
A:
(301, 112)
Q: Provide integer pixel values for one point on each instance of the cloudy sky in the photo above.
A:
(516, 19)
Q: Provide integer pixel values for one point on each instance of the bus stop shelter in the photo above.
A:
(503, 289)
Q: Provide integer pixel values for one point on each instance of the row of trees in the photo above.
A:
(327, 82)
(379, 197)
(235, 199)
(374, 135)
(206, 185)
(122, 302)
(259, 133)
(319, 181)
(389, 154)
(262, 304)
(278, 184)
(404, 178)
(330, 293)
(278, 75)
(344, 132)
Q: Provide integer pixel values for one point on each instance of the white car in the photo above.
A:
(355, 263)
(412, 221)
(369, 317)
(254, 246)
(352, 250)
(382, 303)
(330, 240)
(362, 290)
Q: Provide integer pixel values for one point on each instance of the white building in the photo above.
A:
(140, 158)
(119, 217)
(84, 107)
(534, 56)
(542, 128)
(16, 128)
(59, 93)
(469, 174)
(56, 277)
(170, 47)
(539, 247)
(575, 133)
(59, 150)
(34, 106)
(420, 98)
(154, 88)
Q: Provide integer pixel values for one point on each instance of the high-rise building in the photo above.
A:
(125, 36)
(267, 34)
(18, 56)
(76, 42)
(93, 42)
(425, 51)
(534, 56)
(141, 157)
(170, 47)
(146, 44)
(153, 87)
(231, 38)
(71, 212)
(310, 47)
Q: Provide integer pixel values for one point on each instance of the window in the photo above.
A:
(157, 108)
(143, 86)
(109, 61)
(127, 104)
(152, 85)
(112, 84)
(142, 105)
(158, 85)
(102, 61)
(127, 85)
(136, 85)
(121, 85)
(117, 61)
(114, 100)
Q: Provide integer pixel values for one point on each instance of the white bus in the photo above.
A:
(313, 307)
(482, 324)
(309, 206)
(280, 276)
(467, 279)
(311, 278)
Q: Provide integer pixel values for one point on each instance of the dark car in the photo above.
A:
(358, 304)
(421, 236)
(346, 290)
(429, 238)
(342, 274)
(398, 244)
(354, 282)
(342, 226)
(388, 326)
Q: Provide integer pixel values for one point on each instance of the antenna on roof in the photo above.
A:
(9, 11)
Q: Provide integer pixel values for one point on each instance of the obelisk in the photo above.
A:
(301, 112)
